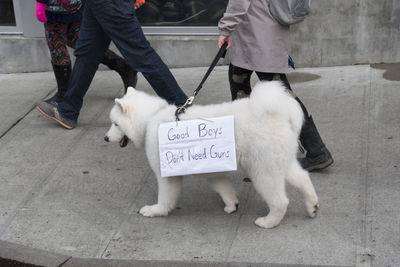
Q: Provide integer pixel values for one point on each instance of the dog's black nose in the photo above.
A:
(106, 139)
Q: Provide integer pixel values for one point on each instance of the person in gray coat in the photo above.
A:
(258, 43)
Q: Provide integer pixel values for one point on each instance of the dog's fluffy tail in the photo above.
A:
(271, 97)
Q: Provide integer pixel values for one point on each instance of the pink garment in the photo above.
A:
(41, 12)
(258, 41)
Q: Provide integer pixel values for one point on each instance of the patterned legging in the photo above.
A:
(59, 36)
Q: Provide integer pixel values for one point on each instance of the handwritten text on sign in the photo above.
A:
(197, 146)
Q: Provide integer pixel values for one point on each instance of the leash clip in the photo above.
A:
(182, 108)
(189, 101)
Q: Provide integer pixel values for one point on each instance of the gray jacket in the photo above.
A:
(258, 41)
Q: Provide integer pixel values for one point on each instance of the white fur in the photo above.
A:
(267, 126)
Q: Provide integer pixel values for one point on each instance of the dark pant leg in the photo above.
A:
(239, 81)
(118, 20)
(110, 59)
(265, 76)
(90, 48)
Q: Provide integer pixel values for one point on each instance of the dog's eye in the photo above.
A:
(115, 124)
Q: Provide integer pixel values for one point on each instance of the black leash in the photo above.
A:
(189, 101)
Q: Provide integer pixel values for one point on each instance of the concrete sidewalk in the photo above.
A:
(69, 198)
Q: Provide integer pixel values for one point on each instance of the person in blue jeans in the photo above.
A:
(105, 21)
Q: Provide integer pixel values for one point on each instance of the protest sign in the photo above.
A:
(197, 146)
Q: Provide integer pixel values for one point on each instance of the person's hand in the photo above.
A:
(41, 12)
(222, 39)
(139, 3)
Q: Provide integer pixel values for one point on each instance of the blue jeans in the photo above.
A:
(103, 21)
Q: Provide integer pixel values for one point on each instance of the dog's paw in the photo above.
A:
(153, 211)
(312, 210)
(266, 222)
(232, 208)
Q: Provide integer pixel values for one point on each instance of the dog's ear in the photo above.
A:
(121, 105)
(130, 90)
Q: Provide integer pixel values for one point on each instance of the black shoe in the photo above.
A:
(318, 162)
(51, 111)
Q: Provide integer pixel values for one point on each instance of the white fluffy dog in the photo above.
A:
(267, 126)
